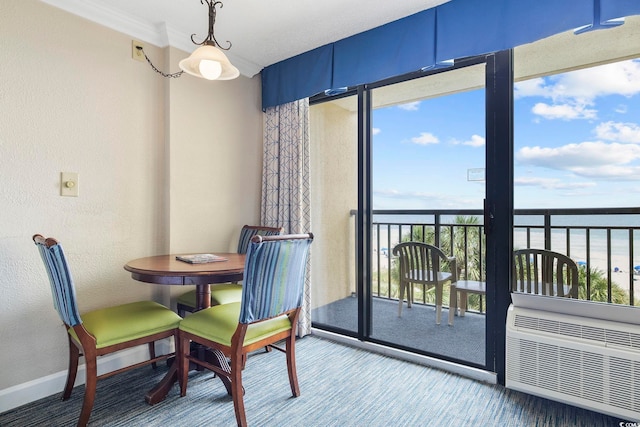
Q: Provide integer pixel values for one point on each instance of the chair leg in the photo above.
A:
(401, 299)
(91, 381)
(438, 304)
(74, 355)
(183, 348)
(152, 353)
(183, 309)
(291, 365)
(237, 391)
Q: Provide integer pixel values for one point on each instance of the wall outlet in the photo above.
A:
(136, 50)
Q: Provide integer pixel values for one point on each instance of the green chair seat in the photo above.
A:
(222, 293)
(220, 322)
(127, 322)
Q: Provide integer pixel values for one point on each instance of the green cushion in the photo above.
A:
(218, 324)
(221, 293)
(114, 325)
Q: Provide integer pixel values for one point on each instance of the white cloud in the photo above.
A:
(410, 106)
(585, 154)
(563, 111)
(475, 141)
(610, 172)
(620, 78)
(621, 132)
(375, 131)
(425, 138)
(587, 159)
(573, 92)
(532, 87)
(552, 183)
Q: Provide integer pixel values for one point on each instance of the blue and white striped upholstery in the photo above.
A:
(62, 288)
(274, 278)
(248, 232)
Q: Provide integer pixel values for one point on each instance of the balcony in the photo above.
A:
(604, 243)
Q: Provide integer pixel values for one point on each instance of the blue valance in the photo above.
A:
(357, 59)
(471, 27)
(298, 77)
(452, 30)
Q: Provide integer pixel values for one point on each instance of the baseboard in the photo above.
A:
(33, 390)
(465, 371)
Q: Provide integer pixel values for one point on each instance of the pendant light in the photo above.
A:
(209, 61)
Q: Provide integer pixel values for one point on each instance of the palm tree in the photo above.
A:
(463, 239)
(598, 287)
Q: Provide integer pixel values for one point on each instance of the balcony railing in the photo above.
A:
(604, 243)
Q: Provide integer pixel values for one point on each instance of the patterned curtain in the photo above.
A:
(285, 180)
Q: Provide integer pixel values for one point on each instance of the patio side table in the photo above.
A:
(464, 287)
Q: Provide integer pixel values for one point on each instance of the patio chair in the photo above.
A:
(544, 272)
(224, 293)
(101, 331)
(422, 264)
(272, 296)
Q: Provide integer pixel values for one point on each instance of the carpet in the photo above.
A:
(340, 386)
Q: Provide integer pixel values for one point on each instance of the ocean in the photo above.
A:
(592, 239)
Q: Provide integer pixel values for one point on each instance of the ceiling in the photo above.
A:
(261, 32)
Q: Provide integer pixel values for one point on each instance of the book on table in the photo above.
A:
(200, 258)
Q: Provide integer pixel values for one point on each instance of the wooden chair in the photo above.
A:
(101, 331)
(421, 264)
(544, 272)
(272, 295)
(224, 293)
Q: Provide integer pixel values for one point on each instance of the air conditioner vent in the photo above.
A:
(606, 336)
(569, 329)
(592, 334)
(526, 322)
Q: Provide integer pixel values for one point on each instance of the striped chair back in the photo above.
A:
(248, 231)
(62, 287)
(274, 276)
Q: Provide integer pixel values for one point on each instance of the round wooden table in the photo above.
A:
(167, 270)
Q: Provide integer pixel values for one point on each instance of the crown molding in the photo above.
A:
(116, 20)
(159, 35)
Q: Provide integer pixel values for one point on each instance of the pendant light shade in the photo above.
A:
(209, 62)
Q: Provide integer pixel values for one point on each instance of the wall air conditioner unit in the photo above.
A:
(577, 352)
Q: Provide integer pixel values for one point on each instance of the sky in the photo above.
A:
(576, 136)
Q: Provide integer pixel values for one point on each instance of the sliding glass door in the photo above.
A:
(403, 161)
(428, 185)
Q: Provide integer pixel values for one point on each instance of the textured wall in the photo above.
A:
(334, 183)
(154, 175)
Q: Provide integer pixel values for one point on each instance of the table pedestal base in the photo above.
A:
(158, 393)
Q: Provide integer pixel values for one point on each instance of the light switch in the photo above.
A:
(69, 185)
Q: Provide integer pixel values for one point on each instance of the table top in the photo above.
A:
(167, 270)
(471, 286)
